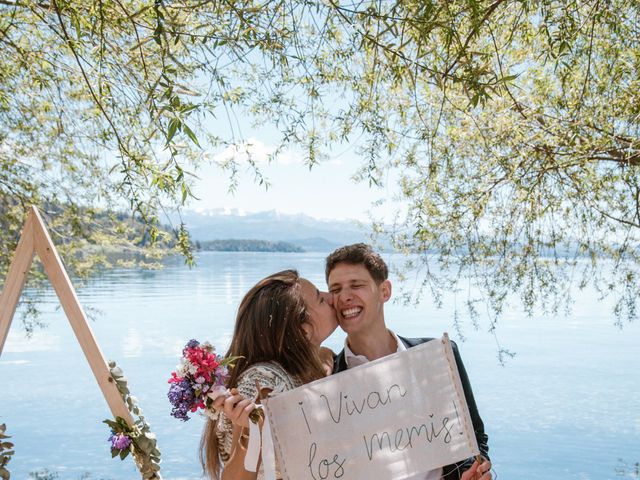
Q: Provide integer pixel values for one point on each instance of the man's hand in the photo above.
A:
(478, 471)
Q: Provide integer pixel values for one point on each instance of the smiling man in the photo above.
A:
(358, 279)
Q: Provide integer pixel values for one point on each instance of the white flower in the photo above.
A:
(217, 391)
(192, 369)
(182, 369)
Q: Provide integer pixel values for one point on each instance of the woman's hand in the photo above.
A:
(478, 471)
(235, 407)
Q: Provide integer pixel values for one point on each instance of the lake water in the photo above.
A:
(566, 407)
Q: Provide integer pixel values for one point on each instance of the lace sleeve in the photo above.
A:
(268, 375)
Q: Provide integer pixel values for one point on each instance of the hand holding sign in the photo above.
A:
(480, 470)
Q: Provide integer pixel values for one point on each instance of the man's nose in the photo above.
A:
(343, 296)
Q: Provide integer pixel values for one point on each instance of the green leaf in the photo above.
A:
(190, 134)
(174, 125)
(185, 192)
(111, 423)
(508, 78)
(75, 22)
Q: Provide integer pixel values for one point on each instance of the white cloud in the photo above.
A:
(258, 152)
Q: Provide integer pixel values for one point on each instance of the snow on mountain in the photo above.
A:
(299, 229)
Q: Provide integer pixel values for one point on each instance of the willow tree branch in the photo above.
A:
(86, 78)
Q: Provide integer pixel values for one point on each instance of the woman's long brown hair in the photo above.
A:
(268, 328)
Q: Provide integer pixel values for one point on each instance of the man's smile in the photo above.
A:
(351, 312)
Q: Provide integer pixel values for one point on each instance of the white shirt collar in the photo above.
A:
(354, 360)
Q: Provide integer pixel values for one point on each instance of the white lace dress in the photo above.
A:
(269, 375)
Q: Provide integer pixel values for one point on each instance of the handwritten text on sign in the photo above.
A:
(396, 417)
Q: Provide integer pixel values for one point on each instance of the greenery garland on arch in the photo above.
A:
(137, 439)
(6, 451)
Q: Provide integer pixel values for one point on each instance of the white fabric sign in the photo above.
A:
(392, 418)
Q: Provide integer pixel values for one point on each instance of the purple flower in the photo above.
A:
(119, 441)
(222, 375)
(181, 397)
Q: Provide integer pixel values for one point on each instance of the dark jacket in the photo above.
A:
(454, 471)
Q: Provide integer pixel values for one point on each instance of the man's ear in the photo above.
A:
(385, 290)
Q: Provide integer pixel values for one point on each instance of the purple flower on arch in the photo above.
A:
(119, 441)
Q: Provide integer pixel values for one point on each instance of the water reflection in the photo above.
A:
(40, 341)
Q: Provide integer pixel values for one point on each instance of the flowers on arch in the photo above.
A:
(137, 439)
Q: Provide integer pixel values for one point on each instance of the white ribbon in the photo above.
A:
(261, 442)
(253, 449)
(268, 454)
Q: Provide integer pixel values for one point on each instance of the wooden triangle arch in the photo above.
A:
(35, 239)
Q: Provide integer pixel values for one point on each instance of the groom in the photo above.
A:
(358, 279)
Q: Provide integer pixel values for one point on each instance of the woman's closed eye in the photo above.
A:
(326, 297)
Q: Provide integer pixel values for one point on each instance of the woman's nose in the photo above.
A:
(328, 297)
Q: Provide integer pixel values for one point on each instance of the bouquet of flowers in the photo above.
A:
(200, 378)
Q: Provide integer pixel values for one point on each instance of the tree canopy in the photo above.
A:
(512, 124)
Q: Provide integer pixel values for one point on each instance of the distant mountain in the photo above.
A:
(301, 230)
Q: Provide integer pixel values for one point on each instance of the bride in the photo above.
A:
(280, 325)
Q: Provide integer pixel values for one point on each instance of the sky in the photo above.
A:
(327, 191)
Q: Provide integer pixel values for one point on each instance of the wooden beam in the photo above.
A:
(68, 299)
(16, 277)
